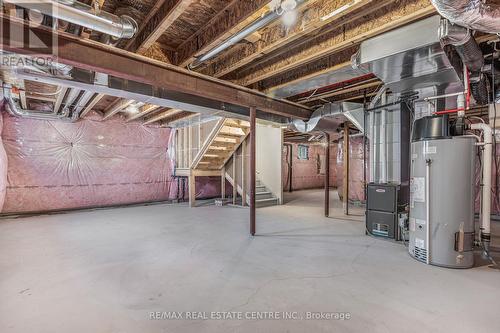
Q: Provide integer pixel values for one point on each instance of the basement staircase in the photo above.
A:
(263, 196)
(203, 149)
(228, 135)
(212, 149)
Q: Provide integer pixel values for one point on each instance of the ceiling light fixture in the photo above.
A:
(289, 18)
(288, 5)
(285, 9)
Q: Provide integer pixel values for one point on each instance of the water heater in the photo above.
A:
(441, 221)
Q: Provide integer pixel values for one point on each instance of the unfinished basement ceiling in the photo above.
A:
(191, 21)
(308, 62)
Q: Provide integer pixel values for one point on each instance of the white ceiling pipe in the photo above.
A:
(83, 15)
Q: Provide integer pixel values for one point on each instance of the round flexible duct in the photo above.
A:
(473, 14)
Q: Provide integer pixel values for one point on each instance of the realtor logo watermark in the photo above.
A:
(248, 315)
(32, 44)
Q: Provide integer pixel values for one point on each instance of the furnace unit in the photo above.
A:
(388, 191)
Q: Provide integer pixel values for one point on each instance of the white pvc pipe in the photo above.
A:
(486, 191)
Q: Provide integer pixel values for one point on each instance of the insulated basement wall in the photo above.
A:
(356, 174)
(3, 168)
(56, 165)
(308, 174)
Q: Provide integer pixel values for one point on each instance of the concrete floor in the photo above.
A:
(106, 270)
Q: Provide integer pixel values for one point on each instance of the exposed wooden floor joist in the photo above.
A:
(312, 21)
(95, 56)
(232, 19)
(356, 32)
(161, 17)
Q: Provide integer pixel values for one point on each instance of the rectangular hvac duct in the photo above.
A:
(309, 83)
(410, 58)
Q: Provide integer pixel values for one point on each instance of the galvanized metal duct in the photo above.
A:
(83, 15)
(410, 58)
(330, 116)
(15, 109)
(473, 14)
(239, 36)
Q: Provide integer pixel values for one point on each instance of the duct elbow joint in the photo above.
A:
(129, 27)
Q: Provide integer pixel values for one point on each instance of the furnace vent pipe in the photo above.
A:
(374, 156)
(383, 141)
(486, 190)
(473, 14)
(83, 15)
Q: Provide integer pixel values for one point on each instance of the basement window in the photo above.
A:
(303, 152)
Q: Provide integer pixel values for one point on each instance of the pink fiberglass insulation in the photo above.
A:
(3, 169)
(307, 173)
(356, 169)
(56, 165)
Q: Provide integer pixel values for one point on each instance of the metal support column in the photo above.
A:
(345, 180)
(253, 112)
(327, 175)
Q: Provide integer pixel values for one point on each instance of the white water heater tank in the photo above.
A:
(441, 224)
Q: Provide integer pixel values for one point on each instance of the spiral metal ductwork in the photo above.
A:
(83, 15)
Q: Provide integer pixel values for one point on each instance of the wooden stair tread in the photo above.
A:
(238, 123)
(232, 131)
(229, 136)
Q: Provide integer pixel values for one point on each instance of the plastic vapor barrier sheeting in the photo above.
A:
(356, 169)
(3, 169)
(56, 165)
